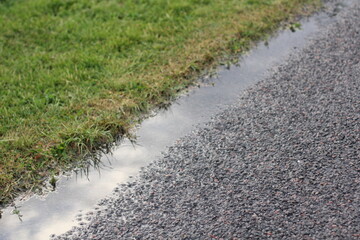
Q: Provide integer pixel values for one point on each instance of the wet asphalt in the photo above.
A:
(282, 163)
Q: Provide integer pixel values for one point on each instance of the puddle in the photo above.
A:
(75, 195)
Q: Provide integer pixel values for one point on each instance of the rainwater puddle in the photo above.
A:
(56, 213)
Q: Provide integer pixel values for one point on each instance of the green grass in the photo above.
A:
(76, 73)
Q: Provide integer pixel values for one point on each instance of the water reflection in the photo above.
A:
(75, 195)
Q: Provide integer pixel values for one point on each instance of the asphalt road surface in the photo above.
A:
(282, 163)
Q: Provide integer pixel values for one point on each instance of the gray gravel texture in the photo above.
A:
(284, 163)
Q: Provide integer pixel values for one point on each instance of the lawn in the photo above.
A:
(75, 74)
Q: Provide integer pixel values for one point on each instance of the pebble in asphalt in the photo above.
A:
(283, 163)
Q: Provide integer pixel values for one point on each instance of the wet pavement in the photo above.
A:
(59, 211)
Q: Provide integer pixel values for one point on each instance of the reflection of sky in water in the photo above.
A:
(57, 213)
